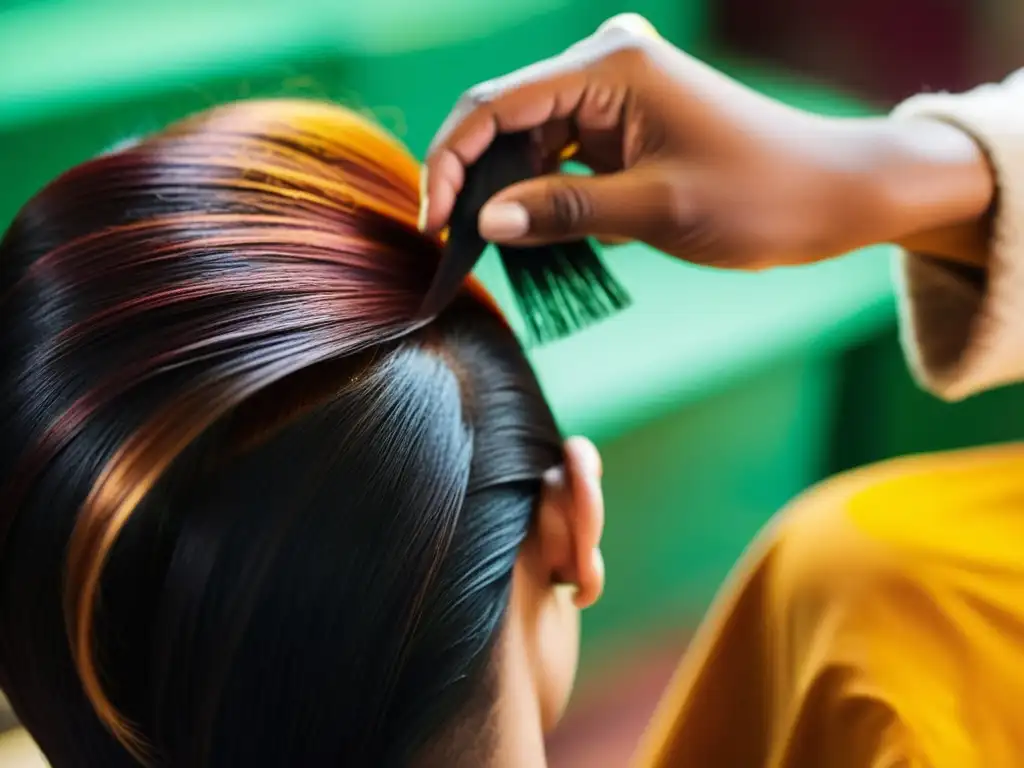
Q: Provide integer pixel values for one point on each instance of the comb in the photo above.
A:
(559, 288)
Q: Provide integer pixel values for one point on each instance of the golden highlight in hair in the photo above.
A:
(308, 179)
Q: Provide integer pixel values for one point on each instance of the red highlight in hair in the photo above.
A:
(305, 215)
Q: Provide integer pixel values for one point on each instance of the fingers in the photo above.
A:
(632, 23)
(610, 241)
(523, 100)
(523, 108)
(614, 34)
(637, 204)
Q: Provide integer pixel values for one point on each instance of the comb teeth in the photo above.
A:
(559, 288)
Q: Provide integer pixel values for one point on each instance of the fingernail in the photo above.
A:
(421, 223)
(503, 221)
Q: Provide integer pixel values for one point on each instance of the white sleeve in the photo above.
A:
(963, 327)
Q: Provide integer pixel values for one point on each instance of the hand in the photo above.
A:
(697, 165)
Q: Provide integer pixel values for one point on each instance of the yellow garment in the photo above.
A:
(876, 623)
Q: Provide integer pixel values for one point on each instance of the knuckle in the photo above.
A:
(627, 25)
(631, 62)
(692, 225)
(603, 102)
(570, 208)
(478, 95)
(636, 56)
(620, 40)
(681, 208)
(469, 103)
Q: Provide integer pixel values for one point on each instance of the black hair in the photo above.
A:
(255, 510)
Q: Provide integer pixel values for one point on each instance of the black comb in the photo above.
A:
(559, 288)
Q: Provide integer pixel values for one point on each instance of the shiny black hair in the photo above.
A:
(255, 509)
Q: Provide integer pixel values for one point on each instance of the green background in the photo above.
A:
(715, 398)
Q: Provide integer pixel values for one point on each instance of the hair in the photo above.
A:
(254, 510)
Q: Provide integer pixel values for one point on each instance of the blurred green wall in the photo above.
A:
(881, 412)
(704, 436)
(77, 76)
(715, 399)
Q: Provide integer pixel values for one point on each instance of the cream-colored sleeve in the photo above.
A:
(963, 327)
(17, 750)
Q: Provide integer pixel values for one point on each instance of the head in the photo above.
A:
(254, 509)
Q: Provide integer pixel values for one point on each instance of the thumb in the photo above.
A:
(636, 204)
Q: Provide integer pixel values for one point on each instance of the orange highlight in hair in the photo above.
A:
(278, 149)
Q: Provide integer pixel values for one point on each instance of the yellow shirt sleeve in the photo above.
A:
(877, 623)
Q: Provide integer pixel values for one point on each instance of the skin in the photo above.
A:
(559, 572)
(706, 170)
(703, 168)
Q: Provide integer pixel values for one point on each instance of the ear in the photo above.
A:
(571, 521)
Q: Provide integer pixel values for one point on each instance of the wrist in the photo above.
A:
(933, 187)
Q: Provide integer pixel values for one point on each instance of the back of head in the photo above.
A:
(254, 511)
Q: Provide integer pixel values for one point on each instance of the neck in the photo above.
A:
(518, 719)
